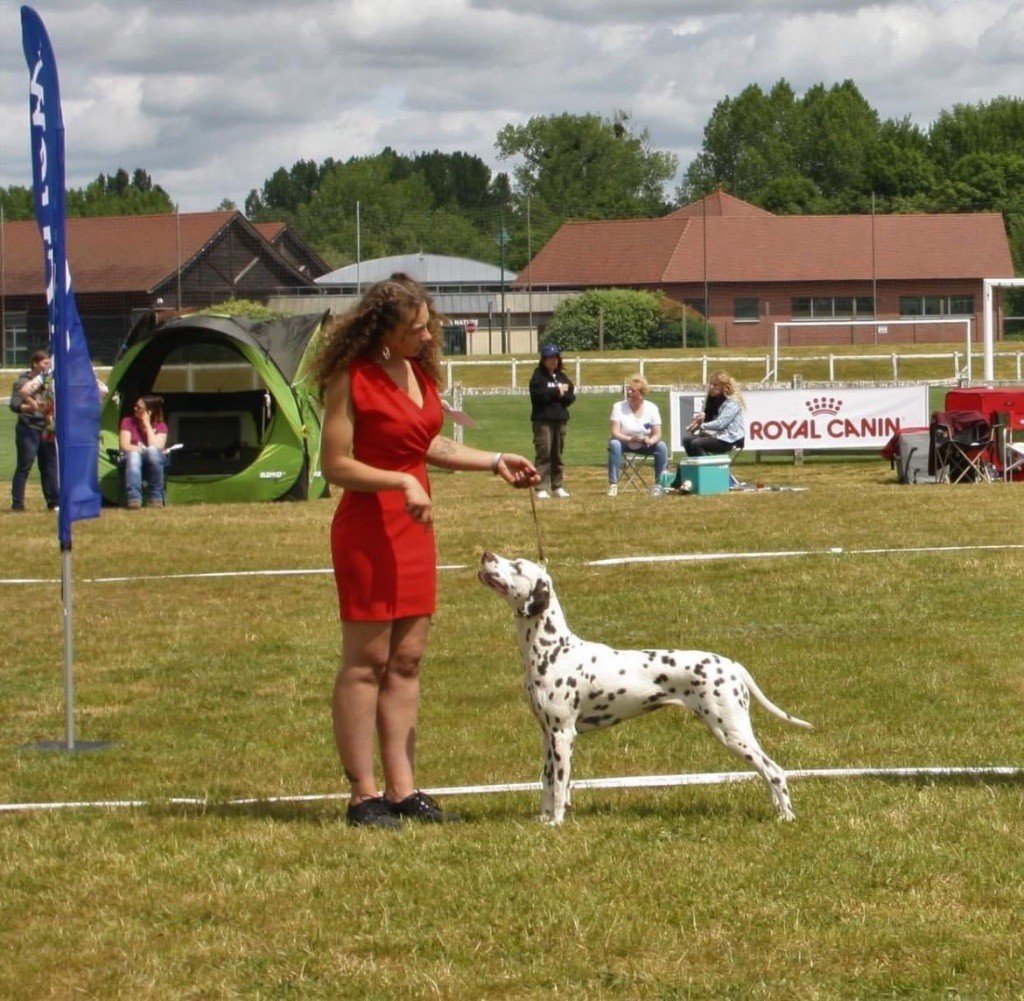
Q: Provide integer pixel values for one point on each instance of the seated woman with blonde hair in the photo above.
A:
(635, 427)
(720, 426)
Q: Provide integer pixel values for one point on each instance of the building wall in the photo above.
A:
(775, 305)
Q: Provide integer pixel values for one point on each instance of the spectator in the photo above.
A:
(32, 401)
(721, 426)
(636, 427)
(143, 438)
(551, 395)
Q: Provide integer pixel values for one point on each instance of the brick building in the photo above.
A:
(746, 269)
(127, 265)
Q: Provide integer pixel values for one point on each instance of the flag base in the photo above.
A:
(62, 745)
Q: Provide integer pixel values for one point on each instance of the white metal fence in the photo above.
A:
(954, 364)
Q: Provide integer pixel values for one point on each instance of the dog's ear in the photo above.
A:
(540, 598)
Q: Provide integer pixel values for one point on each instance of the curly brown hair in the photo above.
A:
(360, 332)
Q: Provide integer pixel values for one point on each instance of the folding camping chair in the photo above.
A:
(634, 466)
(961, 447)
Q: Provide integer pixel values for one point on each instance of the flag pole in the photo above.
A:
(69, 634)
(75, 391)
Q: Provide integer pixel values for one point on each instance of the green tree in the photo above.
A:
(749, 141)
(17, 202)
(585, 167)
(620, 318)
(987, 127)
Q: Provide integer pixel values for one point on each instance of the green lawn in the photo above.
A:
(218, 688)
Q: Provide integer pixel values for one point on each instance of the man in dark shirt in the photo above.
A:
(32, 439)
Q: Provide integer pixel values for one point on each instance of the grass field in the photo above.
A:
(219, 688)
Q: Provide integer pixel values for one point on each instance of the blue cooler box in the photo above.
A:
(709, 474)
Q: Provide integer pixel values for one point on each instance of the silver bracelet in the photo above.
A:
(496, 461)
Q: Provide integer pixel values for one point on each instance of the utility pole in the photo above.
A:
(359, 254)
(502, 237)
(529, 257)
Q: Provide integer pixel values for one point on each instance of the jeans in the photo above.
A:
(145, 464)
(616, 448)
(549, 443)
(706, 444)
(30, 447)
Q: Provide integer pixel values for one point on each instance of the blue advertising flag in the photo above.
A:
(76, 395)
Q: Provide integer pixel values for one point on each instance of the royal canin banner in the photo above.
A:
(786, 419)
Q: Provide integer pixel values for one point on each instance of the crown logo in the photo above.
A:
(819, 405)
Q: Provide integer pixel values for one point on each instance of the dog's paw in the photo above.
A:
(786, 818)
(549, 820)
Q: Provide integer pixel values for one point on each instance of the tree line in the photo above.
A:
(825, 151)
(108, 194)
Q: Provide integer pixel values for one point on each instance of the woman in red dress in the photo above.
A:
(378, 371)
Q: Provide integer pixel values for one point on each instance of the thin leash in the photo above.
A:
(537, 528)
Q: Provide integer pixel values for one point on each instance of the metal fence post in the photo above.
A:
(457, 405)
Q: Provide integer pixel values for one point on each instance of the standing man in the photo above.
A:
(32, 401)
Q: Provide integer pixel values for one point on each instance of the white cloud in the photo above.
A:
(212, 98)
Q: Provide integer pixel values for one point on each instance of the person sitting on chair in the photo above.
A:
(635, 427)
(720, 427)
(143, 437)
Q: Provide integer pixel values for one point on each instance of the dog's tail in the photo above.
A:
(771, 706)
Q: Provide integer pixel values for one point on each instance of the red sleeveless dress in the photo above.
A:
(385, 564)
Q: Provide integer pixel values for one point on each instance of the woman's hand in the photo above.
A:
(517, 470)
(417, 501)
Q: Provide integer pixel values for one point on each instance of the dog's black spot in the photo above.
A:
(558, 683)
(591, 720)
(661, 679)
(549, 626)
(672, 691)
(561, 774)
(749, 757)
(571, 681)
(621, 691)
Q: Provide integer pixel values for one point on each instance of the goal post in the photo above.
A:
(988, 328)
(881, 325)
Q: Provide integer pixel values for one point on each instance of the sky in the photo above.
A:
(212, 97)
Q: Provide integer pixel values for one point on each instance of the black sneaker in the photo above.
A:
(419, 806)
(372, 812)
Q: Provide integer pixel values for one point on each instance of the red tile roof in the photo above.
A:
(761, 247)
(114, 253)
(270, 230)
(718, 203)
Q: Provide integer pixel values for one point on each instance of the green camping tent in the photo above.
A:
(246, 420)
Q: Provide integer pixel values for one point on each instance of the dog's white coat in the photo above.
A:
(573, 685)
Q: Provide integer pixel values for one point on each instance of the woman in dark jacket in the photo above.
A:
(551, 394)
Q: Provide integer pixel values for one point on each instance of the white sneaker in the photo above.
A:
(656, 490)
(562, 493)
(613, 490)
(542, 495)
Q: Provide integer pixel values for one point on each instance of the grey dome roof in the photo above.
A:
(431, 269)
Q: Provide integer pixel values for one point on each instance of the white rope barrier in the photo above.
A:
(1002, 772)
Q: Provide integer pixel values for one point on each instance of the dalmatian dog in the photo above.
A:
(574, 686)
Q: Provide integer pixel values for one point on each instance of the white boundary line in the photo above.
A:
(612, 561)
(196, 576)
(626, 782)
(836, 551)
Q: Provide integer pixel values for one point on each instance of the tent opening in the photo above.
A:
(219, 409)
